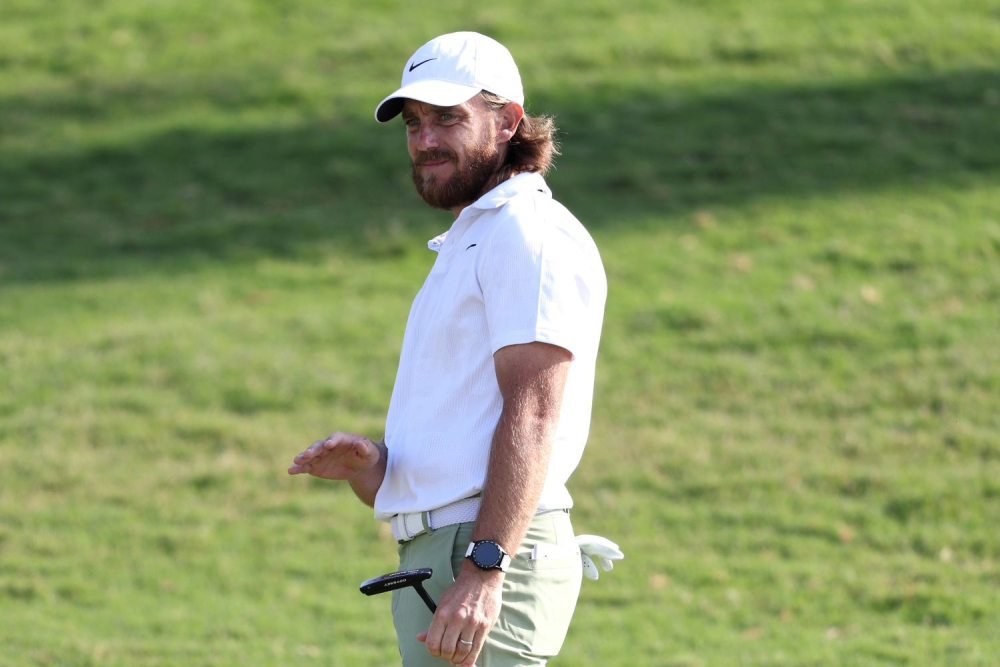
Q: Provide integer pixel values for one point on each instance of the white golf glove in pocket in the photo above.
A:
(600, 549)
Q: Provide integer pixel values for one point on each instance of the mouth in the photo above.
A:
(434, 164)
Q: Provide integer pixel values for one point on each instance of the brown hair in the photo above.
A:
(533, 146)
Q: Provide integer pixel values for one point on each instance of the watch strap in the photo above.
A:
(504, 562)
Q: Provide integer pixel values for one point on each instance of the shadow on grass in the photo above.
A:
(189, 196)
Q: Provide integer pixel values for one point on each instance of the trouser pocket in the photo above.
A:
(542, 586)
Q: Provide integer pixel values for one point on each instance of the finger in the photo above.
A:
(309, 452)
(606, 564)
(341, 446)
(351, 455)
(435, 635)
(351, 450)
(353, 447)
(360, 450)
(463, 650)
(338, 437)
(474, 650)
(450, 648)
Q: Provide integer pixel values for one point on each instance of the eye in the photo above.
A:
(411, 122)
(447, 116)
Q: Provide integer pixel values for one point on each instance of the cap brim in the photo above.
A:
(438, 93)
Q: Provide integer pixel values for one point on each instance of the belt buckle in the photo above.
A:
(411, 524)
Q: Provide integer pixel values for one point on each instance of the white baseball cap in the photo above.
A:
(451, 69)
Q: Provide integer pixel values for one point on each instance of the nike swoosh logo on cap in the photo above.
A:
(413, 67)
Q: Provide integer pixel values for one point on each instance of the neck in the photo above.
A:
(504, 172)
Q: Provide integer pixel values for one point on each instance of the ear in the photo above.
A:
(510, 118)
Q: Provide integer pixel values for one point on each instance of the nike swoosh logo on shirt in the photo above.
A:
(471, 246)
(413, 67)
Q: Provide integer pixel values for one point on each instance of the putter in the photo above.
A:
(401, 579)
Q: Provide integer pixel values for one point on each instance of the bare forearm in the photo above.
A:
(531, 378)
(366, 484)
(519, 462)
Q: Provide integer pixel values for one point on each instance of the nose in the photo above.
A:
(426, 138)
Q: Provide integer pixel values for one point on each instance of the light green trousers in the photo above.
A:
(539, 595)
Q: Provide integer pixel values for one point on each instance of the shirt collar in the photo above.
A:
(436, 242)
(503, 193)
(524, 182)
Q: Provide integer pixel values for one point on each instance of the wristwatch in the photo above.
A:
(488, 555)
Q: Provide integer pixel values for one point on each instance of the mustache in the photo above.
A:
(434, 155)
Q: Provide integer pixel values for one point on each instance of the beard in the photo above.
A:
(465, 185)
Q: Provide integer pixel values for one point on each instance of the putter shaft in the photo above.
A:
(426, 598)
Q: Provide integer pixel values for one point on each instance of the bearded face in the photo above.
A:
(453, 151)
(468, 178)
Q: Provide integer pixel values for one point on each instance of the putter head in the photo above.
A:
(396, 580)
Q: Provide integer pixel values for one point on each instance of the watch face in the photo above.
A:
(486, 554)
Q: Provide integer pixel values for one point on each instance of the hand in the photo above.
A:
(338, 456)
(467, 610)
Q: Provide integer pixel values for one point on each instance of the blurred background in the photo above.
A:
(208, 248)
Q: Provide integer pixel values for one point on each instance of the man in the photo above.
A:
(491, 406)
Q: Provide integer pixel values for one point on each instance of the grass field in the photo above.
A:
(208, 248)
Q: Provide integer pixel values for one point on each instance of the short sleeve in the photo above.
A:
(535, 285)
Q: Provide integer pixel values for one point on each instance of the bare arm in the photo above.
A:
(346, 456)
(532, 378)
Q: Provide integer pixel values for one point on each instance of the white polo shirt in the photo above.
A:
(515, 267)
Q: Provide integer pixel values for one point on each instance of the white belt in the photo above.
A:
(407, 526)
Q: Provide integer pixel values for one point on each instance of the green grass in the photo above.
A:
(208, 248)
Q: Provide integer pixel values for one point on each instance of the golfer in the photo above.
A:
(491, 406)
